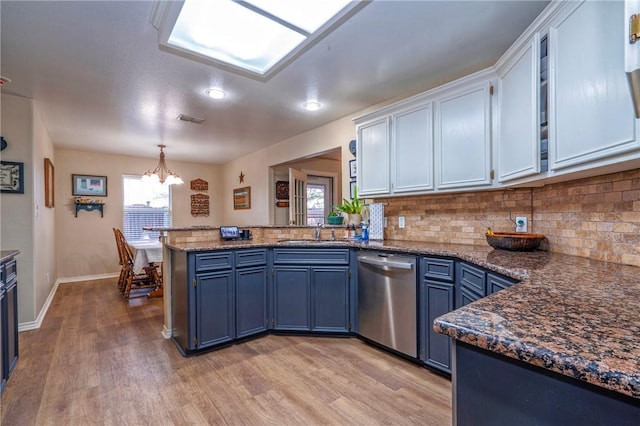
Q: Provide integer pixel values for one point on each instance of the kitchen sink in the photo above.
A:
(312, 240)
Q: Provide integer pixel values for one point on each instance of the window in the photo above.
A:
(144, 204)
(319, 199)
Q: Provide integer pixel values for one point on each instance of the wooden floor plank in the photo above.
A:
(99, 359)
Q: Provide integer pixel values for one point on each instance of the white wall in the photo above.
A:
(16, 209)
(255, 166)
(44, 235)
(85, 245)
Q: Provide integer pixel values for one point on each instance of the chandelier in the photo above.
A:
(162, 173)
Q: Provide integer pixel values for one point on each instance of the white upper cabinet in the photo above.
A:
(412, 149)
(373, 157)
(463, 138)
(397, 152)
(591, 112)
(518, 105)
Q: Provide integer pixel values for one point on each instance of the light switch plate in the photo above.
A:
(401, 222)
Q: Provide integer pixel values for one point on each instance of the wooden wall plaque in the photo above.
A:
(199, 205)
(199, 185)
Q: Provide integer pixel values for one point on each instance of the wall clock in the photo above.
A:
(3, 143)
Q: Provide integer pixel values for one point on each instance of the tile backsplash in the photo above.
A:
(596, 217)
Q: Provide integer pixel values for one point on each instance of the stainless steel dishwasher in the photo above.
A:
(387, 297)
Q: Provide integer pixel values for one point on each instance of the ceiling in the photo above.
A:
(102, 83)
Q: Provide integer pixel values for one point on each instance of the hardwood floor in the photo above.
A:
(98, 359)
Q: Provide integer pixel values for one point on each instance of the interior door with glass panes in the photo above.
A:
(319, 198)
(297, 197)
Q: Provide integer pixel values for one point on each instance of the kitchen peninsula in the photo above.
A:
(573, 320)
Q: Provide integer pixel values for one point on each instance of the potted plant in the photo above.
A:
(333, 218)
(352, 208)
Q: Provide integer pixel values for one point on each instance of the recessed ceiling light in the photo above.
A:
(216, 93)
(312, 105)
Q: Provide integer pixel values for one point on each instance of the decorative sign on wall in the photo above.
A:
(282, 193)
(199, 205)
(199, 185)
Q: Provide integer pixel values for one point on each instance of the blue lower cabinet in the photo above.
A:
(330, 299)
(496, 283)
(215, 308)
(3, 380)
(251, 301)
(291, 296)
(437, 299)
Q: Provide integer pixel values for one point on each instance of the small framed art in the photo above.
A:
(11, 177)
(242, 198)
(89, 185)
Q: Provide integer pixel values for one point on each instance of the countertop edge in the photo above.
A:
(8, 254)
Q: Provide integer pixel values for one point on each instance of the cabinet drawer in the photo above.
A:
(472, 278)
(438, 269)
(496, 283)
(10, 272)
(311, 256)
(213, 261)
(251, 258)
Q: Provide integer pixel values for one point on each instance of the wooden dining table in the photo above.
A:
(146, 252)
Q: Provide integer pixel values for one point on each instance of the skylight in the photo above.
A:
(253, 35)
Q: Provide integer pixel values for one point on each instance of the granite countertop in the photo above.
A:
(571, 315)
(7, 254)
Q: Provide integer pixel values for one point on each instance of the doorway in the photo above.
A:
(314, 186)
(319, 199)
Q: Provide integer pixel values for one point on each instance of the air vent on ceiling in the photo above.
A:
(183, 117)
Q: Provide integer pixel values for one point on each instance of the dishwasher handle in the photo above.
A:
(387, 263)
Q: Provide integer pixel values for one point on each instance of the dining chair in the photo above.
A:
(130, 280)
(121, 260)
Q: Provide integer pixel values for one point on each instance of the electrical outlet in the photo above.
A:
(401, 222)
(521, 224)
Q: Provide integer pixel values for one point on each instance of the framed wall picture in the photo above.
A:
(11, 177)
(95, 186)
(352, 189)
(353, 169)
(242, 198)
(49, 179)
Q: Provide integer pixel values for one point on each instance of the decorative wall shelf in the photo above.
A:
(90, 207)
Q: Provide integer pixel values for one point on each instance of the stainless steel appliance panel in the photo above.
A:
(387, 297)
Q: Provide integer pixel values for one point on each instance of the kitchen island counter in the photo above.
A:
(574, 316)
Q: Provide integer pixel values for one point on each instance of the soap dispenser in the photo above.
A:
(365, 232)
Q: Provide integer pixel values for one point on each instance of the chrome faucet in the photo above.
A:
(318, 228)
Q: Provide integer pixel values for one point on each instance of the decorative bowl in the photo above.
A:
(514, 241)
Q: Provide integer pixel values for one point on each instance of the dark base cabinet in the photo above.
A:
(311, 290)
(217, 297)
(8, 318)
(436, 298)
(215, 308)
(490, 389)
(330, 299)
(291, 310)
(447, 284)
(251, 301)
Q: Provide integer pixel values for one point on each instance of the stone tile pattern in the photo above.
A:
(596, 217)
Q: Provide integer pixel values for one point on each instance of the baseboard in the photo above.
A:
(88, 278)
(166, 333)
(32, 325)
